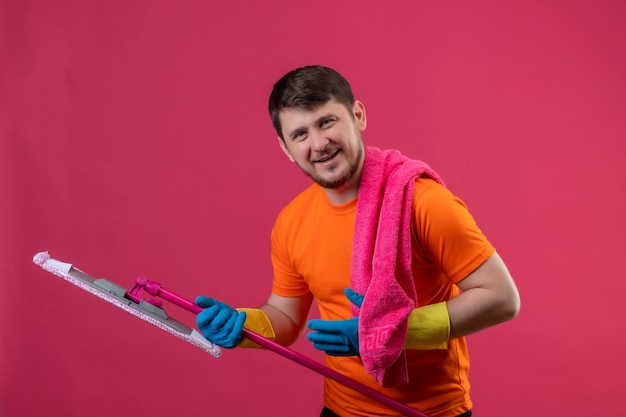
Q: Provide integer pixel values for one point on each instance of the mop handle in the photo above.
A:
(156, 290)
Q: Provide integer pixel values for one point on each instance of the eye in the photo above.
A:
(327, 122)
(299, 135)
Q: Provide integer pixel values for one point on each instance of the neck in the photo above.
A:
(341, 195)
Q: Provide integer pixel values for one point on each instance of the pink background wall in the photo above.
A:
(134, 140)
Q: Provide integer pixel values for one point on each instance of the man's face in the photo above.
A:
(325, 142)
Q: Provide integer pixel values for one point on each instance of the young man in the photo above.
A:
(397, 265)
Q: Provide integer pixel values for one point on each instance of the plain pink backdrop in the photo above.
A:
(135, 140)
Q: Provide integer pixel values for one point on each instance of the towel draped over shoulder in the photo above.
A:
(381, 261)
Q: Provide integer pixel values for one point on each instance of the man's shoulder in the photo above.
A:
(428, 192)
(306, 199)
(425, 184)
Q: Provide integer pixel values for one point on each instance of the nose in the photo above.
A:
(319, 141)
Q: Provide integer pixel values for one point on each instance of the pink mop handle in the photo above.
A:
(323, 370)
(301, 359)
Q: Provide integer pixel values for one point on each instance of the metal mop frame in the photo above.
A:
(151, 311)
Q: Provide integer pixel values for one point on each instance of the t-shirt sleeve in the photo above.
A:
(446, 232)
(287, 282)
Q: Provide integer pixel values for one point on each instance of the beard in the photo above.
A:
(343, 178)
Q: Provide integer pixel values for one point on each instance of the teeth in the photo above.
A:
(327, 158)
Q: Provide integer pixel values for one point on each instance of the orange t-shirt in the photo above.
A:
(311, 253)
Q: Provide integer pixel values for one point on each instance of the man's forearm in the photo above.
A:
(286, 331)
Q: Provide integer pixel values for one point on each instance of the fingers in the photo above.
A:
(220, 323)
(328, 338)
(241, 319)
(324, 333)
(204, 320)
(354, 297)
(224, 319)
(204, 302)
(220, 326)
(328, 342)
(323, 325)
(335, 337)
(331, 343)
(325, 339)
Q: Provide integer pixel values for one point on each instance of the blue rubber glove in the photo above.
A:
(337, 337)
(220, 323)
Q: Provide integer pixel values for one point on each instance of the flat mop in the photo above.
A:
(152, 311)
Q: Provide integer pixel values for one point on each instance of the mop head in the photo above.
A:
(114, 294)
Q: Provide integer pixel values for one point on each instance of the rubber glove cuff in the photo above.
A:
(428, 327)
(258, 322)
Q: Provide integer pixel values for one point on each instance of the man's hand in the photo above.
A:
(220, 323)
(337, 337)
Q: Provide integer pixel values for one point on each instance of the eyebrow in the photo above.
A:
(319, 120)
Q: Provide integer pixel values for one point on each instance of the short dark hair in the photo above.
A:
(308, 88)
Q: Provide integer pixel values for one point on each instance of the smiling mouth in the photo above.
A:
(328, 157)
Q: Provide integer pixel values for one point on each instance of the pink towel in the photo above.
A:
(381, 261)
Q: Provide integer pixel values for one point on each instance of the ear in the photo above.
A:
(358, 109)
(283, 146)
